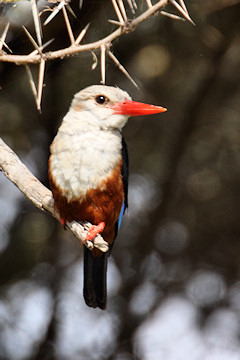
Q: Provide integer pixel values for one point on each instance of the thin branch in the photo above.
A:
(146, 15)
(73, 50)
(39, 195)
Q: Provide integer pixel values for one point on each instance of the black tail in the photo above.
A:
(95, 269)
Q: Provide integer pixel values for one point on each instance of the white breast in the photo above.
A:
(82, 157)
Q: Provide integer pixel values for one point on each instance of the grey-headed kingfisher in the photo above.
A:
(88, 172)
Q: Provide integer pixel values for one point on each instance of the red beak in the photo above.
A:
(134, 108)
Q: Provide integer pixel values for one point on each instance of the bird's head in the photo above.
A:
(109, 107)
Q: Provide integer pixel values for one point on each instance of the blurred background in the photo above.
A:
(174, 272)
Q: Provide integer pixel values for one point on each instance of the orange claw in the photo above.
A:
(94, 230)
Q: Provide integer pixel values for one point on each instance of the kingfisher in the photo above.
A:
(88, 173)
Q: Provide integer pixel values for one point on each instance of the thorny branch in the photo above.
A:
(125, 25)
(75, 49)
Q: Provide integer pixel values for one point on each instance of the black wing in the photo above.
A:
(125, 174)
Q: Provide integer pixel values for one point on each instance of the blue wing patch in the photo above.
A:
(125, 188)
(121, 215)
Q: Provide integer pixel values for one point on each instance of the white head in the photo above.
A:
(109, 107)
(98, 100)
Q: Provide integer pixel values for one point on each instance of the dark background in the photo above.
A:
(173, 277)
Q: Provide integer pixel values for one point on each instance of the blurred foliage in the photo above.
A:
(173, 277)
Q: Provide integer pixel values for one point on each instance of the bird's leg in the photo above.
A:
(63, 222)
(94, 230)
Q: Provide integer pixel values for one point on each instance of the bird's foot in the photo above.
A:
(94, 230)
(63, 222)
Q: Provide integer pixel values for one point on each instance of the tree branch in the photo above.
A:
(40, 196)
(125, 25)
(74, 49)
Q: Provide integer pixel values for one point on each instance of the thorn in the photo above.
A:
(122, 9)
(3, 38)
(149, 3)
(68, 25)
(118, 12)
(55, 12)
(33, 41)
(115, 22)
(131, 5)
(40, 83)
(103, 63)
(172, 16)
(34, 52)
(120, 66)
(32, 84)
(80, 4)
(37, 23)
(82, 34)
(95, 60)
(6, 46)
(71, 11)
(182, 3)
(134, 4)
(182, 11)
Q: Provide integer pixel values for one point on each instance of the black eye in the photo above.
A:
(101, 99)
